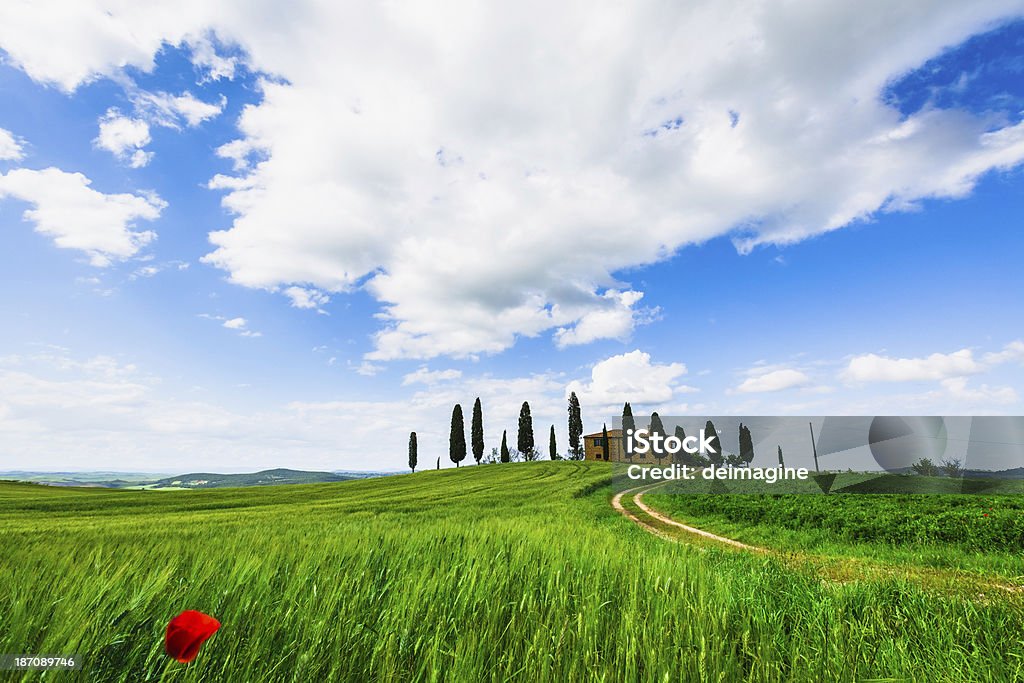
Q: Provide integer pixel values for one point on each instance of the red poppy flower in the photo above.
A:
(186, 632)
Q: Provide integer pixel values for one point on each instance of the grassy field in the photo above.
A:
(500, 572)
(982, 533)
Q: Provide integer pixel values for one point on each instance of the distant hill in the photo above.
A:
(208, 480)
(1015, 473)
(137, 480)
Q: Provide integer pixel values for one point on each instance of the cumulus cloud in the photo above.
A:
(10, 147)
(966, 395)
(75, 216)
(60, 412)
(773, 380)
(613, 321)
(1011, 353)
(304, 297)
(483, 192)
(630, 377)
(125, 138)
(215, 65)
(239, 325)
(429, 377)
(949, 368)
(938, 366)
(170, 110)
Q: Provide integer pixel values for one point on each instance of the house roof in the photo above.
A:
(611, 432)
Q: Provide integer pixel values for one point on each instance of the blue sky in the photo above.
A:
(238, 239)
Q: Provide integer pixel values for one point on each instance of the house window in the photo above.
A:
(599, 441)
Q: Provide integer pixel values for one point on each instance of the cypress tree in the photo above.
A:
(505, 457)
(524, 442)
(716, 458)
(457, 440)
(683, 458)
(575, 427)
(746, 446)
(658, 428)
(604, 440)
(412, 451)
(782, 463)
(628, 424)
(552, 446)
(477, 431)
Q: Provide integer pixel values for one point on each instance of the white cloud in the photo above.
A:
(76, 216)
(169, 110)
(938, 366)
(773, 380)
(1011, 353)
(240, 325)
(303, 297)
(630, 377)
(950, 369)
(217, 66)
(125, 138)
(983, 395)
(615, 321)
(60, 413)
(366, 368)
(10, 147)
(483, 192)
(430, 377)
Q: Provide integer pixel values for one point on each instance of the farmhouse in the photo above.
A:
(593, 445)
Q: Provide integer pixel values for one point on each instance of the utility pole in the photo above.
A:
(814, 447)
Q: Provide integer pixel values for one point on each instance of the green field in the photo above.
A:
(500, 572)
(983, 533)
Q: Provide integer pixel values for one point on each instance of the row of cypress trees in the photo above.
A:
(525, 442)
(527, 447)
(741, 459)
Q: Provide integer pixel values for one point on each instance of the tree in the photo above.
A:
(925, 467)
(658, 428)
(552, 445)
(782, 463)
(457, 440)
(604, 441)
(477, 431)
(505, 456)
(628, 425)
(575, 427)
(746, 446)
(524, 442)
(412, 451)
(682, 457)
(952, 468)
(716, 458)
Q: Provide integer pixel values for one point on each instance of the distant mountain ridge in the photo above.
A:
(191, 480)
(210, 480)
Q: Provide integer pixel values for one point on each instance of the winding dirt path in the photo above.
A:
(835, 569)
(637, 498)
